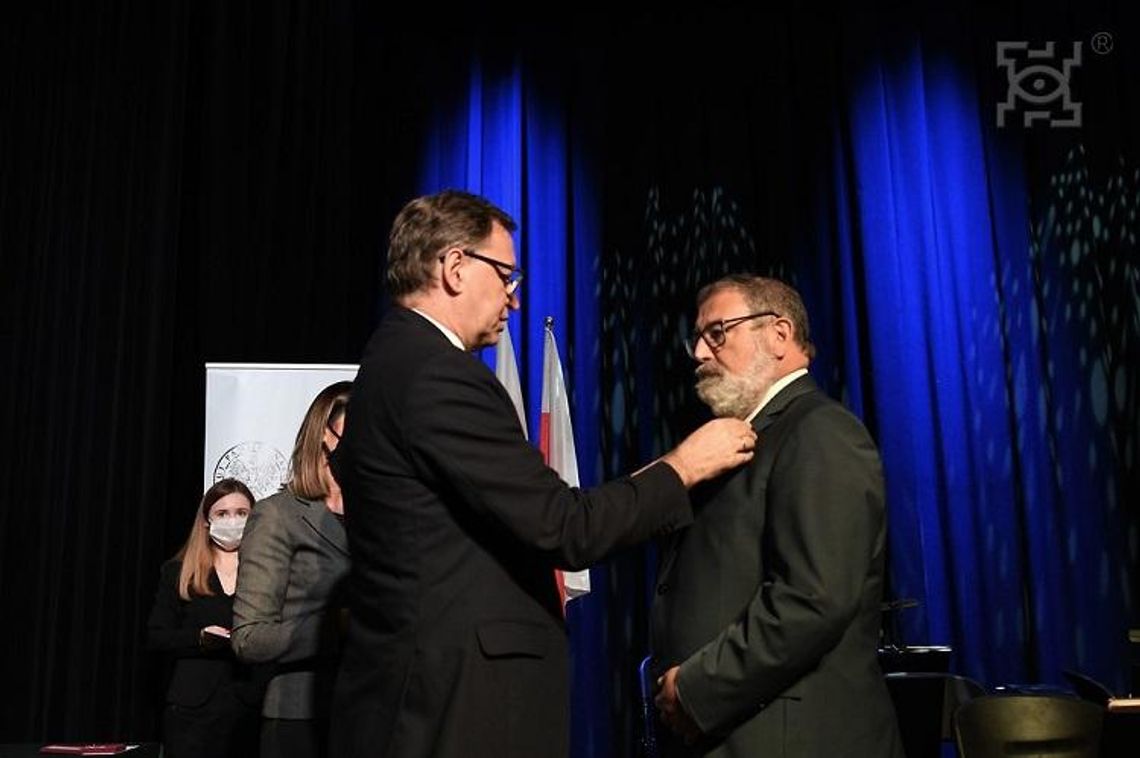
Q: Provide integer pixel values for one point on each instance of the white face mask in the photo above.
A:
(226, 532)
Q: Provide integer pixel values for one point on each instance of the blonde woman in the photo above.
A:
(294, 558)
(211, 704)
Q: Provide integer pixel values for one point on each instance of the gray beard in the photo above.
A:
(728, 395)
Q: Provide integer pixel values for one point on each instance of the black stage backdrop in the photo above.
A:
(186, 182)
(182, 182)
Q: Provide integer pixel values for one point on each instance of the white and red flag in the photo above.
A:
(556, 441)
(508, 373)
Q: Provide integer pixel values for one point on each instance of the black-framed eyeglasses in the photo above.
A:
(716, 333)
(512, 276)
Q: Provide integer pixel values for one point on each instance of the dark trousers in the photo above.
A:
(293, 738)
(222, 727)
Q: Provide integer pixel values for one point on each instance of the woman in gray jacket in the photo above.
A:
(294, 558)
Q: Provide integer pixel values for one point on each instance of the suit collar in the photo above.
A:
(432, 338)
(452, 337)
(402, 316)
(782, 400)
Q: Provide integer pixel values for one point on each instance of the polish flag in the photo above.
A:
(556, 441)
(508, 373)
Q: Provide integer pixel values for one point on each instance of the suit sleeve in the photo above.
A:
(463, 435)
(824, 523)
(166, 629)
(261, 633)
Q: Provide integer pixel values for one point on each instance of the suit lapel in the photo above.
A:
(324, 523)
(671, 545)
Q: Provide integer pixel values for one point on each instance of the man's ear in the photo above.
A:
(783, 334)
(451, 278)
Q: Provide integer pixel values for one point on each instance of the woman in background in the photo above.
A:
(294, 558)
(211, 705)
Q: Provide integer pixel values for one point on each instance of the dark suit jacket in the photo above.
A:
(294, 559)
(173, 628)
(456, 645)
(770, 600)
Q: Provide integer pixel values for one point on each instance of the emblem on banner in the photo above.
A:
(259, 465)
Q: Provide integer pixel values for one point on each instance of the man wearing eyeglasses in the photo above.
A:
(766, 619)
(456, 644)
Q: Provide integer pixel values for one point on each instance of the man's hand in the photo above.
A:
(673, 714)
(716, 447)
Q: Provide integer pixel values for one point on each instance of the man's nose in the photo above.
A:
(701, 351)
(513, 301)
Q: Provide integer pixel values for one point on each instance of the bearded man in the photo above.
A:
(767, 613)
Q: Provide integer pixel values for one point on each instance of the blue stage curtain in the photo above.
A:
(974, 310)
(997, 381)
(521, 136)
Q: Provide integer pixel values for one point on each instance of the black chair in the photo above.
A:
(925, 703)
(1088, 688)
(996, 726)
(1120, 735)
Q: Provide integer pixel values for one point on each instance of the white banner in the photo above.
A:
(253, 412)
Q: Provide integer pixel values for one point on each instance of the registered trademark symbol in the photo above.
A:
(1101, 43)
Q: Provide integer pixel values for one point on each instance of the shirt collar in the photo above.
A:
(780, 383)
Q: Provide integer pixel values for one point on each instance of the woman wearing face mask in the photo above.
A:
(294, 559)
(211, 707)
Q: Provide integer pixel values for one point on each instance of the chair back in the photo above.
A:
(1028, 725)
(1088, 688)
(924, 704)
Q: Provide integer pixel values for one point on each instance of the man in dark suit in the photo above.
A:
(766, 620)
(456, 644)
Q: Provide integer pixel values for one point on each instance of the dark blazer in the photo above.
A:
(294, 559)
(173, 628)
(770, 600)
(456, 644)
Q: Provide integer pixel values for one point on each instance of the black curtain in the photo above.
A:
(179, 183)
